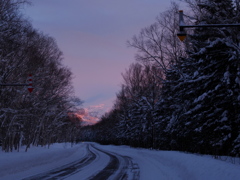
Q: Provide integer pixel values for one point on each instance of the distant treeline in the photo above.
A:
(180, 95)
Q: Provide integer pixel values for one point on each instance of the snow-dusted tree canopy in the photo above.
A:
(190, 99)
(40, 117)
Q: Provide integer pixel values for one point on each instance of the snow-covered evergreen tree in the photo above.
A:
(208, 86)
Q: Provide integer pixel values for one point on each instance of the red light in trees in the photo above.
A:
(30, 88)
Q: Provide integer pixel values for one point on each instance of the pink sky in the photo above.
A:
(92, 35)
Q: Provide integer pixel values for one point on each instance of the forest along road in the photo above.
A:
(97, 164)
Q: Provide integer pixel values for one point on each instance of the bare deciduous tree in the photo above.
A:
(158, 43)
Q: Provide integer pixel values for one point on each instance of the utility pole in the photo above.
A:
(30, 88)
(182, 34)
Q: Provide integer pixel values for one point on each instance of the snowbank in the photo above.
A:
(17, 165)
(175, 165)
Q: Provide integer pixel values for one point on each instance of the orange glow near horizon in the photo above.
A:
(90, 115)
(88, 120)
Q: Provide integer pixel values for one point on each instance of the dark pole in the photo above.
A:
(182, 34)
(14, 84)
(209, 25)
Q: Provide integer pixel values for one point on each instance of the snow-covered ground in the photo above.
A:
(151, 163)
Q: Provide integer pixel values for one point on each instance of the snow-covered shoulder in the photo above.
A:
(177, 165)
(17, 165)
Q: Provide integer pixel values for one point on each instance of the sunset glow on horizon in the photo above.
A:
(91, 115)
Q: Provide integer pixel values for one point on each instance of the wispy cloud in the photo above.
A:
(91, 115)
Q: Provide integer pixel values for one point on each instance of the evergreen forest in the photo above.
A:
(181, 96)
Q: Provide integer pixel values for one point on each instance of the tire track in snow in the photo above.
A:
(66, 170)
(119, 168)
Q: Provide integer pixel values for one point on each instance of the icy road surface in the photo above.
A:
(96, 162)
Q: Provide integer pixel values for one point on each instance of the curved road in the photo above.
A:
(113, 167)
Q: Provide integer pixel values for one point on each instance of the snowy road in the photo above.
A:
(113, 166)
(91, 161)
